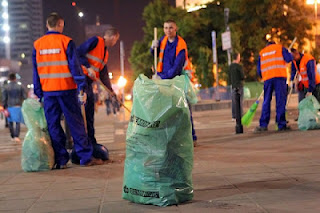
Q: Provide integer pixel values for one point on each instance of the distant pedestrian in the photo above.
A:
(12, 98)
(108, 102)
(236, 77)
(115, 105)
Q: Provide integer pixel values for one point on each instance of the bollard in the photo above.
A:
(239, 127)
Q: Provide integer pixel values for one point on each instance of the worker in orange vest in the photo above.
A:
(273, 71)
(56, 76)
(93, 55)
(173, 57)
(305, 65)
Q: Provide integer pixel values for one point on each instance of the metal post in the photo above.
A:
(7, 34)
(215, 61)
(316, 19)
(122, 71)
(226, 21)
(239, 127)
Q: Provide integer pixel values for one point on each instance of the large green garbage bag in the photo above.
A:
(309, 115)
(37, 152)
(159, 146)
(190, 90)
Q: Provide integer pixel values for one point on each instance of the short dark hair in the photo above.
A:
(293, 50)
(12, 76)
(235, 55)
(112, 31)
(53, 19)
(170, 21)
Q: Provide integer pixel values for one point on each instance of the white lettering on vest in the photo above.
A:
(269, 53)
(49, 51)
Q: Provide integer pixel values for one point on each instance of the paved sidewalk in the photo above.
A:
(270, 172)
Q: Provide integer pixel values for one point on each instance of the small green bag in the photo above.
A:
(309, 115)
(37, 152)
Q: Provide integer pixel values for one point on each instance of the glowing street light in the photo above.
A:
(6, 39)
(5, 15)
(312, 1)
(6, 27)
(122, 82)
(4, 3)
(80, 14)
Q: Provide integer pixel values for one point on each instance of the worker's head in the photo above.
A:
(170, 28)
(236, 57)
(12, 76)
(270, 42)
(295, 54)
(55, 22)
(111, 36)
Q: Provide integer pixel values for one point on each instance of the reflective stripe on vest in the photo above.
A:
(181, 45)
(52, 63)
(55, 75)
(97, 58)
(273, 67)
(272, 59)
(272, 64)
(303, 70)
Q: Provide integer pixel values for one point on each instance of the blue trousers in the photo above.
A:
(280, 87)
(54, 106)
(90, 114)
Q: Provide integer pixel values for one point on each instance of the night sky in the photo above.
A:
(126, 15)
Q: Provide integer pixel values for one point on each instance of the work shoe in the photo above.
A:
(260, 129)
(17, 140)
(58, 166)
(94, 161)
(286, 128)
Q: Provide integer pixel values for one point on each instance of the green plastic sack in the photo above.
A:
(189, 89)
(309, 115)
(159, 146)
(37, 152)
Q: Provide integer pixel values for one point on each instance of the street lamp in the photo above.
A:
(80, 14)
(6, 27)
(315, 2)
(122, 82)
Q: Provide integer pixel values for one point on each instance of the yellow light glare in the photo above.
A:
(122, 82)
(312, 1)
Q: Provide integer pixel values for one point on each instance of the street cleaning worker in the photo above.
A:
(93, 55)
(173, 57)
(272, 69)
(56, 76)
(305, 65)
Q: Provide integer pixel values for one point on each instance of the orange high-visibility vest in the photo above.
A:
(303, 70)
(272, 62)
(52, 63)
(97, 58)
(181, 45)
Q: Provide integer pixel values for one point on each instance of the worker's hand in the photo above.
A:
(308, 94)
(82, 98)
(291, 84)
(92, 74)
(155, 44)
